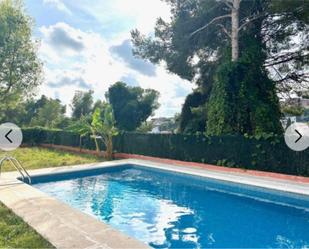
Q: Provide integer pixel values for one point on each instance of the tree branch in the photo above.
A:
(228, 4)
(295, 77)
(224, 30)
(285, 58)
(250, 19)
(211, 22)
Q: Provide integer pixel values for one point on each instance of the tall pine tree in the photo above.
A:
(237, 52)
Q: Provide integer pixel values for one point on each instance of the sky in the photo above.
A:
(85, 44)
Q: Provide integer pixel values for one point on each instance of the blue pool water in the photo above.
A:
(167, 210)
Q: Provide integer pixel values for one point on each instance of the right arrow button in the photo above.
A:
(296, 136)
(300, 136)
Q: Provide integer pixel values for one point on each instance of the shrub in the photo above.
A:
(263, 152)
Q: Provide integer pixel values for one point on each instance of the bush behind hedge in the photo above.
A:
(260, 153)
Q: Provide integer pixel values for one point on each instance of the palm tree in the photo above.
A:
(105, 128)
(100, 128)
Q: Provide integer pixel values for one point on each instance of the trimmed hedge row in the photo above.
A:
(35, 136)
(263, 153)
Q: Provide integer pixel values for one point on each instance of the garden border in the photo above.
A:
(273, 175)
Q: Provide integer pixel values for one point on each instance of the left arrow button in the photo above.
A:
(7, 136)
(11, 136)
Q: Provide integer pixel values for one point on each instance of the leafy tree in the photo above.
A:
(45, 112)
(32, 107)
(105, 128)
(255, 35)
(64, 122)
(132, 105)
(50, 114)
(244, 101)
(82, 104)
(200, 34)
(12, 110)
(83, 128)
(293, 110)
(99, 104)
(145, 127)
(99, 128)
(190, 120)
(20, 68)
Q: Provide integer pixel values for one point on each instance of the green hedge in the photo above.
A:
(263, 153)
(34, 136)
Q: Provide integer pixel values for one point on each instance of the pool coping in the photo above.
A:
(268, 174)
(75, 229)
(120, 155)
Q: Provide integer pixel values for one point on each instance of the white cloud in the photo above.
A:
(58, 4)
(124, 52)
(128, 14)
(144, 12)
(61, 39)
(76, 59)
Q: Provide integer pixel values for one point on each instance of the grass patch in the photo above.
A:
(36, 158)
(15, 233)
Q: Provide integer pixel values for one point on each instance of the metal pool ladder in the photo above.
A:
(17, 165)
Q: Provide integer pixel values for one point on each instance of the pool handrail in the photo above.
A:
(17, 165)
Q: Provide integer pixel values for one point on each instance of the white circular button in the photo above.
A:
(11, 136)
(297, 136)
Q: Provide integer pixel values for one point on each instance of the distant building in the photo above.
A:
(163, 125)
(300, 100)
(284, 121)
(155, 129)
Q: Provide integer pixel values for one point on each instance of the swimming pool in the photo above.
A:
(174, 210)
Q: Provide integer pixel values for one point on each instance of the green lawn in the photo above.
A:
(14, 233)
(36, 158)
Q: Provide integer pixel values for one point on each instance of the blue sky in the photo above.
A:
(86, 45)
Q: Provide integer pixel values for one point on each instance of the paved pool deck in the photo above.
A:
(66, 227)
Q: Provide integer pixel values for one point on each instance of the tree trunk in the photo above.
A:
(235, 31)
(109, 149)
(97, 147)
(80, 143)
